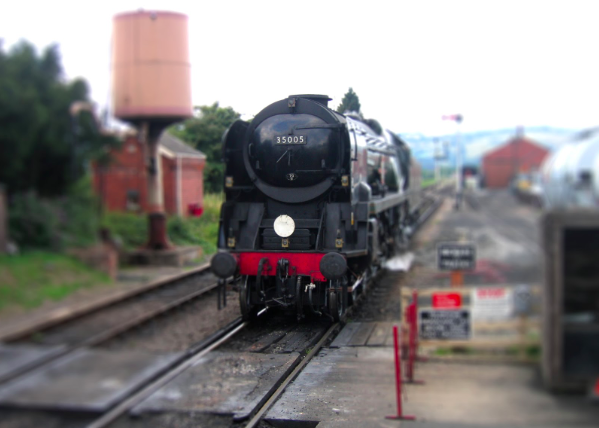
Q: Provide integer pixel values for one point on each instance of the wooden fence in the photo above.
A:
(498, 318)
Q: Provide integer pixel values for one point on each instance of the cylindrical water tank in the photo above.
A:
(150, 67)
(570, 175)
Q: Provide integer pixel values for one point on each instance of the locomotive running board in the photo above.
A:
(389, 201)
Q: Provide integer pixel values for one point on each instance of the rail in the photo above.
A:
(188, 361)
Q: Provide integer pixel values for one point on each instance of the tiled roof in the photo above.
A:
(178, 147)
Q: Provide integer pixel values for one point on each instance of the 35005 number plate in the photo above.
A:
(291, 139)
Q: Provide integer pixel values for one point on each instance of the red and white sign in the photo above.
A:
(447, 300)
(492, 303)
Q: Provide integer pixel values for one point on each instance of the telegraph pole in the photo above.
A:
(457, 118)
(440, 155)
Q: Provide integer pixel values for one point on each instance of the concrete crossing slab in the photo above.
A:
(361, 336)
(346, 334)
(364, 334)
(222, 383)
(343, 384)
(87, 380)
(15, 357)
(382, 334)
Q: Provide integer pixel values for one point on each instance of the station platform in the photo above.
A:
(352, 382)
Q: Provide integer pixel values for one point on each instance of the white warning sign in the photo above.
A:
(491, 303)
(447, 324)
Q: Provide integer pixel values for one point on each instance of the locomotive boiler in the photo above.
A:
(569, 175)
(315, 201)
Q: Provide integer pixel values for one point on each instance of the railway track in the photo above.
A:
(195, 355)
(293, 343)
(103, 325)
(228, 334)
(110, 318)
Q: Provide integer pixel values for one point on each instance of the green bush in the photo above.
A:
(81, 219)
(131, 229)
(33, 222)
(201, 231)
(69, 221)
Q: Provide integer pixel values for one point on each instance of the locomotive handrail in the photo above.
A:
(327, 126)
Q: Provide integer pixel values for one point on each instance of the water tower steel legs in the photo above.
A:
(157, 237)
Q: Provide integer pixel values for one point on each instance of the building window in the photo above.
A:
(132, 200)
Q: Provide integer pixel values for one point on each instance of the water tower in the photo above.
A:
(151, 90)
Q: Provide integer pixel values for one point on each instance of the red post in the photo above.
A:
(457, 278)
(595, 391)
(400, 414)
(413, 340)
(415, 327)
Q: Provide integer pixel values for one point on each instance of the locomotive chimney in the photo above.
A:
(320, 99)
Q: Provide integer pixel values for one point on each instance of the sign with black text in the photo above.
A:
(491, 303)
(444, 324)
(456, 256)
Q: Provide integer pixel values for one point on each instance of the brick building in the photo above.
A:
(517, 155)
(123, 185)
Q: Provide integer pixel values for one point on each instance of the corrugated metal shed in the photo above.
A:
(520, 154)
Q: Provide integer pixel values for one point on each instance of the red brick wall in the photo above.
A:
(192, 183)
(519, 155)
(128, 172)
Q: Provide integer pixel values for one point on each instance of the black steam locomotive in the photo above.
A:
(315, 200)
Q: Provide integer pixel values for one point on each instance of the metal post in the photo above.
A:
(457, 278)
(595, 390)
(413, 340)
(458, 158)
(219, 289)
(458, 162)
(400, 414)
(178, 185)
(410, 368)
(155, 203)
(3, 221)
(157, 236)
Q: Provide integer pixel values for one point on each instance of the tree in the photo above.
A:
(350, 102)
(42, 147)
(205, 132)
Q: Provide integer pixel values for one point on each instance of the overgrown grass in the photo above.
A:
(427, 182)
(29, 279)
(131, 229)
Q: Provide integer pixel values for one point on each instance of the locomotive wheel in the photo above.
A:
(335, 305)
(248, 311)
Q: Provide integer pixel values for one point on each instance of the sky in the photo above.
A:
(500, 64)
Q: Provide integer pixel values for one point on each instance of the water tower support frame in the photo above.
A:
(157, 230)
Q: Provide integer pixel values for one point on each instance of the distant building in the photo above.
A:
(517, 155)
(123, 185)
